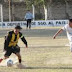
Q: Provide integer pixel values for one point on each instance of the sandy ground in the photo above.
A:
(43, 51)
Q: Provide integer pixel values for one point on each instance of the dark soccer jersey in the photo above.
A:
(12, 39)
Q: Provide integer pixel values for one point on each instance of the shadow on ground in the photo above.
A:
(45, 47)
(47, 68)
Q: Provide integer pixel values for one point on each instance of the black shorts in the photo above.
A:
(10, 50)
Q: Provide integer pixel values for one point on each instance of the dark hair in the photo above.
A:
(70, 20)
(18, 27)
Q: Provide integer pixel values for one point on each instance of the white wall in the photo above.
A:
(40, 23)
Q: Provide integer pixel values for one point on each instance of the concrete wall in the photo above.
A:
(58, 11)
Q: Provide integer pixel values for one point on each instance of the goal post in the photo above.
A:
(1, 13)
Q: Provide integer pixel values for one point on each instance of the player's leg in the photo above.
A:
(71, 46)
(1, 59)
(29, 23)
(20, 65)
(5, 57)
(19, 57)
(8, 52)
(16, 51)
(70, 41)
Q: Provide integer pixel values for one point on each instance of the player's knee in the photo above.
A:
(5, 57)
(18, 55)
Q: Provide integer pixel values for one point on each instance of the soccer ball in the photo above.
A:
(9, 63)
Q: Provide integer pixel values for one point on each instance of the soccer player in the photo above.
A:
(68, 29)
(10, 44)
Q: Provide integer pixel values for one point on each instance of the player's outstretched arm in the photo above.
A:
(25, 42)
(23, 39)
(59, 31)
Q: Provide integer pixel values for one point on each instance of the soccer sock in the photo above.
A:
(1, 60)
(20, 60)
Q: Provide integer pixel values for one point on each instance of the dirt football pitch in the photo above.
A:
(44, 54)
